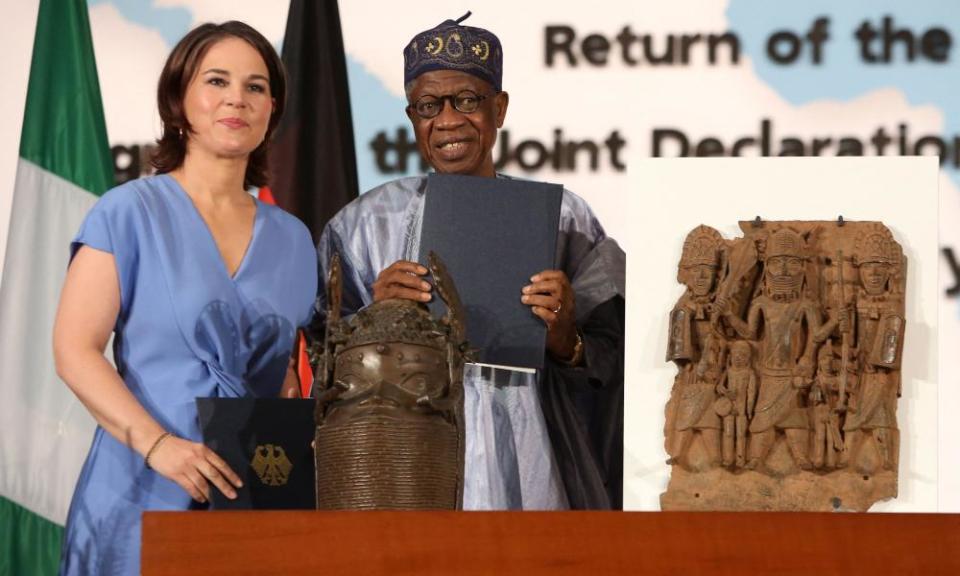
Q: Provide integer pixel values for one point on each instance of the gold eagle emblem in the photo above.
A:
(271, 465)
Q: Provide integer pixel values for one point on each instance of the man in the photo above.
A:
(530, 442)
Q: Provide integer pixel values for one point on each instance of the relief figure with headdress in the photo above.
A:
(878, 338)
(697, 348)
(787, 325)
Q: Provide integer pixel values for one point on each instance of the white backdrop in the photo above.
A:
(625, 94)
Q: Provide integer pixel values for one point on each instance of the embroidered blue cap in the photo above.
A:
(451, 46)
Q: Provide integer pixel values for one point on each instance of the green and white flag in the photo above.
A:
(64, 166)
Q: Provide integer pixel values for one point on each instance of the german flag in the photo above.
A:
(313, 162)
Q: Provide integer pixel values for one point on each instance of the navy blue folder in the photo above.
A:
(493, 234)
(267, 443)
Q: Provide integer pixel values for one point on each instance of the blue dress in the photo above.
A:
(186, 329)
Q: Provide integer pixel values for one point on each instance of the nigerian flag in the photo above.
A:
(64, 166)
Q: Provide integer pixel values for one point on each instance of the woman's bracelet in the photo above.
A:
(156, 444)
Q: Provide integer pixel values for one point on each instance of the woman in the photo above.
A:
(202, 286)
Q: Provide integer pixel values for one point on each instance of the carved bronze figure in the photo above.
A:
(825, 400)
(809, 342)
(878, 343)
(390, 404)
(695, 346)
(737, 396)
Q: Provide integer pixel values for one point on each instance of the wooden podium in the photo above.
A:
(326, 543)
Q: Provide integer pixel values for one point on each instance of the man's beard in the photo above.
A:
(784, 287)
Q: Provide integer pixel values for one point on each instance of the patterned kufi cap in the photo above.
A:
(785, 242)
(702, 246)
(450, 46)
(876, 244)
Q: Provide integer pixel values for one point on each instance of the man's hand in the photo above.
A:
(551, 297)
(402, 279)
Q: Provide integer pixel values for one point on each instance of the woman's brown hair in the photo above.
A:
(180, 69)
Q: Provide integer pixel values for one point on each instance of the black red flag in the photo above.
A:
(312, 157)
(313, 163)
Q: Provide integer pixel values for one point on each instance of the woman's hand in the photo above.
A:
(194, 467)
(551, 297)
(291, 381)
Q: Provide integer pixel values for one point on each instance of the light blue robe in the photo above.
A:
(509, 460)
(186, 329)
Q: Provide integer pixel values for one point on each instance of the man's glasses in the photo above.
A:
(465, 101)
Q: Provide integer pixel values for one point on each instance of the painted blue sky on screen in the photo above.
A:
(843, 75)
(171, 22)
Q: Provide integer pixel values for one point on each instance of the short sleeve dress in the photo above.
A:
(186, 329)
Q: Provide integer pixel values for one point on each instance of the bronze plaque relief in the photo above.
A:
(787, 343)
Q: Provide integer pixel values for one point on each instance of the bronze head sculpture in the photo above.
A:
(390, 404)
